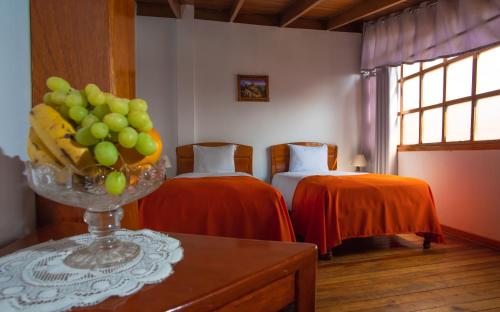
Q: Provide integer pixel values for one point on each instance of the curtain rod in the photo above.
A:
(421, 5)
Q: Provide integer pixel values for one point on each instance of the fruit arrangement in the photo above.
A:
(89, 128)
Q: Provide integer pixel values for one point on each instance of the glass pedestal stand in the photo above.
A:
(105, 250)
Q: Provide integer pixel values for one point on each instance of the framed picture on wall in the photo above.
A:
(253, 88)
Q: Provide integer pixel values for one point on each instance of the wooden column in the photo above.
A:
(82, 41)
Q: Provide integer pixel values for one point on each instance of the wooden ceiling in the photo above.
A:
(339, 15)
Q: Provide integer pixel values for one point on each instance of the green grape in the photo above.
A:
(58, 84)
(138, 119)
(47, 98)
(137, 105)
(77, 113)
(113, 136)
(74, 99)
(147, 127)
(64, 111)
(127, 137)
(116, 122)
(101, 111)
(58, 98)
(99, 130)
(91, 88)
(96, 98)
(108, 97)
(117, 105)
(106, 153)
(89, 120)
(84, 98)
(84, 137)
(115, 183)
(145, 144)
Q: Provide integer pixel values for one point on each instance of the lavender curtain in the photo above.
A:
(444, 28)
(380, 120)
(369, 102)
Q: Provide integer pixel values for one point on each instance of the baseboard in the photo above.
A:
(487, 242)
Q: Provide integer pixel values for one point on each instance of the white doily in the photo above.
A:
(36, 279)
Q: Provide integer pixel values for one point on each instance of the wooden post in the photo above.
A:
(82, 41)
(427, 240)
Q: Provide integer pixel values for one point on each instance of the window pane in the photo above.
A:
(410, 128)
(431, 63)
(410, 93)
(487, 119)
(432, 125)
(432, 87)
(410, 69)
(488, 71)
(398, 98)
(459, 79)
(458, 122)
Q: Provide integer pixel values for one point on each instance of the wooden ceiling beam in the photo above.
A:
(362, 11)
(175, 6)
(154, 9)
(299, 8)
(235, 10)
(244, 18)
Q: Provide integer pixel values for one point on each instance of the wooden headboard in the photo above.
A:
(280, 156)
(242, 157)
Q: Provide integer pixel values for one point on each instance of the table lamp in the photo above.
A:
(359, 162)
(168, 164)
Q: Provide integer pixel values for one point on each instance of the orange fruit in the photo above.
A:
(133, 159)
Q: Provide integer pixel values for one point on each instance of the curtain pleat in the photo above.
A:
(380, 121)
(444, 28)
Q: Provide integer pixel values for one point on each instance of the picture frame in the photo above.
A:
(253, 88)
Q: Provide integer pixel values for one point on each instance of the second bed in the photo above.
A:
(328, 206)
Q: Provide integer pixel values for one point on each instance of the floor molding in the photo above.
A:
(488, 242)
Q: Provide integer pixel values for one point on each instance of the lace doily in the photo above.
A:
(36, 279)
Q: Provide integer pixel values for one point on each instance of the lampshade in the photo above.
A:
(359, 161)
(168, 164)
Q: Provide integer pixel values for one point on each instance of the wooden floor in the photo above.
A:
(396, 274)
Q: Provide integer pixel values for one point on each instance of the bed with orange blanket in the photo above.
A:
(232, 205)
(329, 208)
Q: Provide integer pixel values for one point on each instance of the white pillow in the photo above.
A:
(214, 159)
(308, 158)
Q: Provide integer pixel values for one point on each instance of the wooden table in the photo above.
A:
(216, 273)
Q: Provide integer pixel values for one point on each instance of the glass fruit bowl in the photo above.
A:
(103, 211)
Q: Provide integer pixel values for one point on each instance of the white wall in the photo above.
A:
(16, 200)
(155, 75)
(465, 184)
(314, 84)
(314, 88)
(186, 102)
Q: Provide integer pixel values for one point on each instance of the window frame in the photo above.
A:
(473, 98)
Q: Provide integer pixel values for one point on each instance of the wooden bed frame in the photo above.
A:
(280, 156)
(242, 157)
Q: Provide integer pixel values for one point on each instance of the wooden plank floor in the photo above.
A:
(396, 274)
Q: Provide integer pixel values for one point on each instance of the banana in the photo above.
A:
(38, 153)
(57, 135)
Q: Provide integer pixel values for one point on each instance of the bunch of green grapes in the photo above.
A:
(103, 120)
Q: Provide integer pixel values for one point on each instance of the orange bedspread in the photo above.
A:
(328, 209)
(236, 206)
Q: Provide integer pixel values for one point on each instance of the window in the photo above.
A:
(451, 102)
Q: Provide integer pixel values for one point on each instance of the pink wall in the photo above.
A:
(465, 184)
